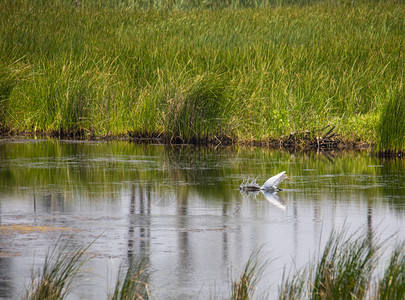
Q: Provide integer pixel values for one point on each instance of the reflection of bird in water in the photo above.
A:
(269, 189)
(271, 196)
(270, 185)
(274, 199)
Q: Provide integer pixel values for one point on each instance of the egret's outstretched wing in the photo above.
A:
(274, 181)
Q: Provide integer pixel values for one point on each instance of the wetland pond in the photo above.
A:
(180, 208)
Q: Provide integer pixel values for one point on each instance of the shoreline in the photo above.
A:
(292, 142)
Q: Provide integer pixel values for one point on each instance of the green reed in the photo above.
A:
(62, 265)
(244, 287)
(391, 127)
(392, 284)
(55, 280)
(132, 283)
(343, 271)
(110, 68)
(345, 268)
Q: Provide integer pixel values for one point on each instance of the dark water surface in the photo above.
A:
(181, 208)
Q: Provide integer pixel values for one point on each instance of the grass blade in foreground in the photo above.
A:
(135, 281)
(294, 286)
(344, 270)
(245, 286)
(392, 285)
(59, 270)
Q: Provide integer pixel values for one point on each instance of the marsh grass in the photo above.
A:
(10, 74)
(345, 268)
(173, 4)
(392, 284)
(244, 287)
(132, 283)
(198, 110)
(110, 68)
(55, 280)
(343, 271)
(391, 127)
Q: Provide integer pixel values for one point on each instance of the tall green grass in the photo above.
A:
(198, 111)
(110, 68)
(345, 268)
(391, 127)
(174, 4)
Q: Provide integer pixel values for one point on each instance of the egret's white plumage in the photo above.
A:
(270, 185)
(273, 182)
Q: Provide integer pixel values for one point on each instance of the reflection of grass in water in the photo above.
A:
(73, 169)
(344, 271)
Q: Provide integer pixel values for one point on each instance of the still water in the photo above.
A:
(180, 207)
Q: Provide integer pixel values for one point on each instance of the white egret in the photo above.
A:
(270, 185)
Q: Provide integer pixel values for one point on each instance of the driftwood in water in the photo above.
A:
(323, 139)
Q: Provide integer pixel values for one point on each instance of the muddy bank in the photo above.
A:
(293, 141)
(324, 139)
